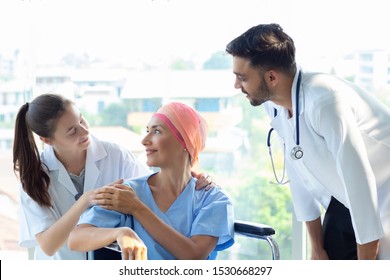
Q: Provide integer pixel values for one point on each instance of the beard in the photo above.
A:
(260, 95)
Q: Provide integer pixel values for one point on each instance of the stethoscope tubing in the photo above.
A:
(297, 107)
(296, 152)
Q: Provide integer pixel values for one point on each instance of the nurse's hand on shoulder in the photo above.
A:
(89, 198)
(104, 195)
(204, 181)
(132, 247)
(116, 197)
(121, 198)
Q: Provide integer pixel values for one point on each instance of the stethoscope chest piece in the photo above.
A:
(296, 152)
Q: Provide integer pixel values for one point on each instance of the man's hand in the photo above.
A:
(319, 254)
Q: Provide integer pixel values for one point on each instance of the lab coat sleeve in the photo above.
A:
(33, 219)
(335, 121)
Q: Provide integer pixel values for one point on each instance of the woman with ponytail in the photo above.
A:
(58, 184)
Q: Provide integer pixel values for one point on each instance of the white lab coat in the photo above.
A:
(345, 136)
(106, 162)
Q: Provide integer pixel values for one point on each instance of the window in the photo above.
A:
(207, 105)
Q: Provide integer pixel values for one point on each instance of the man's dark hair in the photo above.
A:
(266, 46)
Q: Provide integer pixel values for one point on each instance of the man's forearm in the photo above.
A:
(368, 251)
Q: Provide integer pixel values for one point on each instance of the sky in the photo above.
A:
(158, 30)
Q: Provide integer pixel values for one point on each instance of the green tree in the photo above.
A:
(262, 202)
(255, 198)
(114, 115)
(181, 64)
(218, 60)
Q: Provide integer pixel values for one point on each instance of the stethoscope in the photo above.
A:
(296, 152)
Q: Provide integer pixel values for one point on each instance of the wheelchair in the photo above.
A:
(243, 228)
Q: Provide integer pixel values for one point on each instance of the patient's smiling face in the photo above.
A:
(161, 146)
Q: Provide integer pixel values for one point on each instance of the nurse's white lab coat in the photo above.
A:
(106, 162)
(345, 136)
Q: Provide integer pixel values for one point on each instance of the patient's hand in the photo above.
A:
(133, 248)
(116, 197)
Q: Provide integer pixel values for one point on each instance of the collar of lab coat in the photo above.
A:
(294, 92)
(95, 152)
(282, 114)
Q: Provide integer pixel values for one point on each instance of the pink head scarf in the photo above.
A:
(186, 125)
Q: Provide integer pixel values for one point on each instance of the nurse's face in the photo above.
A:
(161, 146)
(250, 81)
(71, 133)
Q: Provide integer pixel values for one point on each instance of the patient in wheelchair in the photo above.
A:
(169, 218)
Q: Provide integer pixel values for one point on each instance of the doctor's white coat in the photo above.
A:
(345, 137)
(106, 162)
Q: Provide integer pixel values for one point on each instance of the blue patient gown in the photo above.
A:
(194, 212)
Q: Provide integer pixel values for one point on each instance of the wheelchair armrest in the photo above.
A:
(240, 227)
(258, 231)
(251, 229)
(110, 252)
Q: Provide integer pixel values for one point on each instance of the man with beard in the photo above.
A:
(337, 145)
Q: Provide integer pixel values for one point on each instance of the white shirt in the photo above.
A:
(106, 162)
(345, 136)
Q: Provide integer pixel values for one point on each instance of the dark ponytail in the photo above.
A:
(39, 116)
